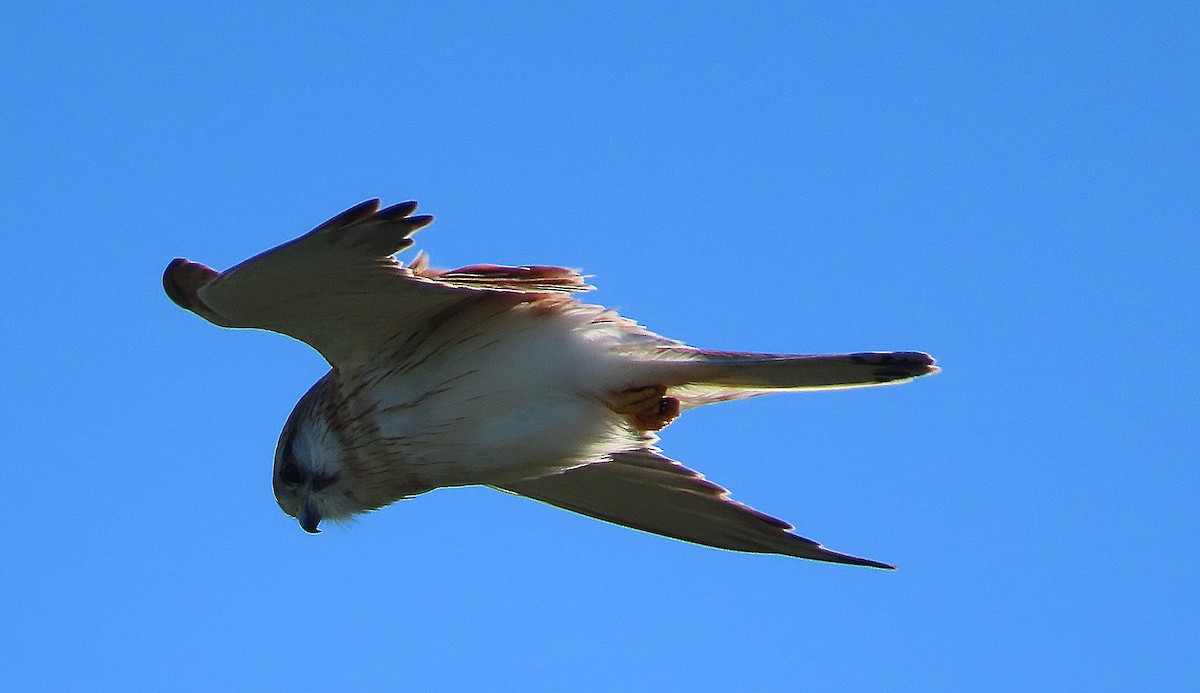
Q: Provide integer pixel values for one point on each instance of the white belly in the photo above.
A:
(510, 399)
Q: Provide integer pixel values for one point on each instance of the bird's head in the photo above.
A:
(329, 466)
(310, 476)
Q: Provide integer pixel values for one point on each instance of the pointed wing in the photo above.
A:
(644, 490)
(339, 289)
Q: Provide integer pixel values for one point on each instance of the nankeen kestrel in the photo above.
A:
(496, 376)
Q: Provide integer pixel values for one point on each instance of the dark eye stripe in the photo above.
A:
(321, 481)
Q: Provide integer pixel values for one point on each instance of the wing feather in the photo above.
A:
(339, 288)
(644, 490)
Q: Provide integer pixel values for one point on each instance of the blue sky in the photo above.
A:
(1011, 187)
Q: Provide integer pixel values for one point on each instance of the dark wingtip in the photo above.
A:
(174, 291)
(358, 212)
(418, 222)
(183, 278)
(397, 211)
(846, 559)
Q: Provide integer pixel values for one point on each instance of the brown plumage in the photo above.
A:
(496, 376)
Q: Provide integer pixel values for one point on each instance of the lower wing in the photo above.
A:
(644, 490)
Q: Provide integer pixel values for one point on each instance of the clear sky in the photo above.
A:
(1010, 187)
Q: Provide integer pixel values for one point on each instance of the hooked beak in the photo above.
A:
(309, 518)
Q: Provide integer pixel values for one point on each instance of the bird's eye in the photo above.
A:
(291, 474)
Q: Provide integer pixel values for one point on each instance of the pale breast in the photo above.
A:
(495, 391)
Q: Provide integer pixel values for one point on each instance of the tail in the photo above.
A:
(698, 377)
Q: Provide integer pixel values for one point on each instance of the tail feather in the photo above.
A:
(698, 377)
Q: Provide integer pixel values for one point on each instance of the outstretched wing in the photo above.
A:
(644, 490)
(339, 288)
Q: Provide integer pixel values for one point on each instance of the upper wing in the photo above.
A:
(646, 491)
(339, 289)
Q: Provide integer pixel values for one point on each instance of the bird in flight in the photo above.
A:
(496, 376)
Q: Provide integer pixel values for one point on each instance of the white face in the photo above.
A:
(310, 480)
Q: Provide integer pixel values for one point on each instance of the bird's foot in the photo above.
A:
(648, 408)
